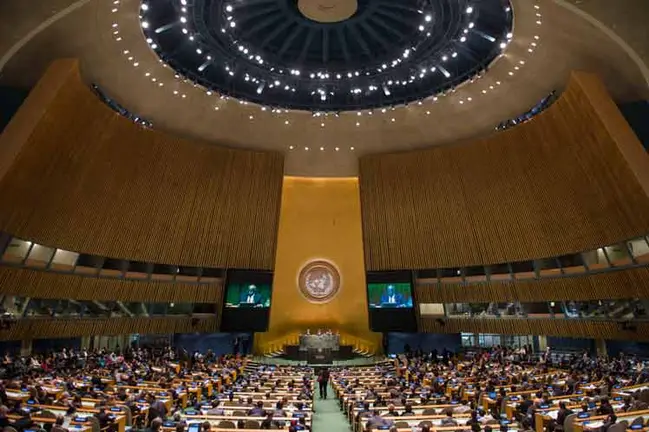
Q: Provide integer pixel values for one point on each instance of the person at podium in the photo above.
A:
(251, 297)
(391, 298)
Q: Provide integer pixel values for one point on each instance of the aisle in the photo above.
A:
(328, 417)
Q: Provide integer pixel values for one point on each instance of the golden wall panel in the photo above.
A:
(555, 185)
(320, 220)
(91, 181)
(549, 327)
(621, 284)
(62, 328)
(45, 285)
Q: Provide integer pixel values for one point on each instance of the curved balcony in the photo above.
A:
(632, 253)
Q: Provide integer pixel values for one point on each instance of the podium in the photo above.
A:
(319, 349)
(319, 356)
(321, 341)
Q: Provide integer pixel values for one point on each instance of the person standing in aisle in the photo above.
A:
(323, 381)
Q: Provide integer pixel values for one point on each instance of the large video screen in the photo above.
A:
(389, 295)
(248, 295)
(390, 301)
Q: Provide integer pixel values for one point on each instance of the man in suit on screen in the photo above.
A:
(391, 297)
(251, 296)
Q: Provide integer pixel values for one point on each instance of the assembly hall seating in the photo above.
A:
(187, 400)
(364, 392)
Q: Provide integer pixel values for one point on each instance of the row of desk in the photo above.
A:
(464, 390)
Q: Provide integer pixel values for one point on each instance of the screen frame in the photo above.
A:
(242, 276)
(409, 317)
(385, 284)
(246, 319)
(241, 286)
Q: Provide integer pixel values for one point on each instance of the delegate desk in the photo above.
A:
(272, 401)
(119, 418)
(460, 428)
(160, 393)
(17, 395)
(348, 402)
(231, 410)
(215, 420)
(293, 394)
(417, 409)
(435, 420)
(42, 421)
(546, 415)
(595, 422)
(631, 390)
(489, 401)
(143, 407)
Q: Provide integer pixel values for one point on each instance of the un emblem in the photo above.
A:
(319, 281)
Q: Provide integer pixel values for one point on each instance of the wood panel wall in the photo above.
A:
(46, 285)
(622, 284)
(91, 181)
(550, 327)
(65, 328)
(556, 185)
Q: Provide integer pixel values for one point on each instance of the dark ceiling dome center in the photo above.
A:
(328, 11)
(328, 55)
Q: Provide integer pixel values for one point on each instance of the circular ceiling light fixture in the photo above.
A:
(328, 55)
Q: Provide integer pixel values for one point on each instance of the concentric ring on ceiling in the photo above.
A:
(387, 53)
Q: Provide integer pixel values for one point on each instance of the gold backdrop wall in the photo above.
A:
(320, 219)
(88, 180)
(571, 179)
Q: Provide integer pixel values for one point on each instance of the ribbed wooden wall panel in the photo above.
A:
(549, 327)
(622, 284)
(89, 180)
(552, 186)
(60, 328)
(40, 284)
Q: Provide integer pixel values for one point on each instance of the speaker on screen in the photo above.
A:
(390, 301)
(248, 295)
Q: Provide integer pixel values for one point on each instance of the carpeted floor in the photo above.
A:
(328, 417)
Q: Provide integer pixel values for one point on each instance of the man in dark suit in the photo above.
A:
(391, 297)
(561, 415)
(103, 417)
(523, 407)
(251, 296)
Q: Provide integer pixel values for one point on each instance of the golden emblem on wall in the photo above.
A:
(319, 281)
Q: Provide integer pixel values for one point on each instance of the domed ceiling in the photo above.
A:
(550, 39)
(328, 55)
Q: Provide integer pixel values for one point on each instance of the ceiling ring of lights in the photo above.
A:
(387, 53)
